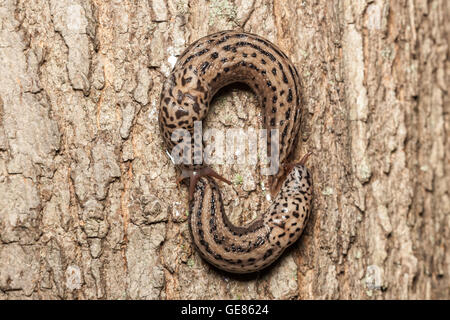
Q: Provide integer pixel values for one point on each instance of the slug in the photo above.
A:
(206, 66)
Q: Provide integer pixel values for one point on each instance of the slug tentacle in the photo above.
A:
(194, 175)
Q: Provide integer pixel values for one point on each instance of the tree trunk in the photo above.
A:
(89, 208)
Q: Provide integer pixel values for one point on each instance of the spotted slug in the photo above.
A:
(206, 66)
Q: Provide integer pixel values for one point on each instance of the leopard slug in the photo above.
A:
(206, 66)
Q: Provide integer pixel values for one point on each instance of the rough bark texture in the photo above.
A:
(89, 208)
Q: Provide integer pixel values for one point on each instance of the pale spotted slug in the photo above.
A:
(207, 65)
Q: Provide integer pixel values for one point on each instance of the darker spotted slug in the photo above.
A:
(207, 65)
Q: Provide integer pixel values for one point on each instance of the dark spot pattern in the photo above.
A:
(243, 57)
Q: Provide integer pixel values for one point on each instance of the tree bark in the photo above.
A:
(89, 208)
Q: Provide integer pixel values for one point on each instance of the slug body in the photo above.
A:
(258, 244)
(206, 66)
